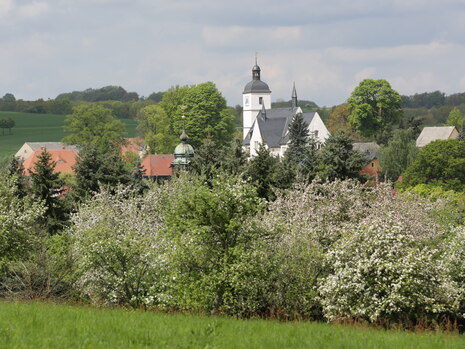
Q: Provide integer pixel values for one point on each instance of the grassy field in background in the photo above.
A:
(38, 128)
(46, 325)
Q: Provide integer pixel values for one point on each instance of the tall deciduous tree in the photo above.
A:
(93, 125)
(455, 118)
(154, 124)
(398, 154)
(206, 111)
(374, 107)
(338, 159)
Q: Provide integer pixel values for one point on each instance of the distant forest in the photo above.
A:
(428, 108)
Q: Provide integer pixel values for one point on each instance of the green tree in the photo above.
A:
(300, 157)
(92, 125)
(339, 119)
(18, 217)
(455, 118)
(374, 107)
(213, 243)
(398, 154)
(206, 111)
(97, 166)
(154, 124)
(338, 160)
(15, 169)
(261, 171)
(441, 163)
(46, 186)
(298, 140)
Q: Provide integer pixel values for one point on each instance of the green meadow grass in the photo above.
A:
(45, 325)
(39, 128)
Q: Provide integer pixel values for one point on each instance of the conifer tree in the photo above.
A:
(461, 136)
(137, 180)
(15, 168)
(338, 159)
(261, 171)
(97, 166)
(298, 140)
(47, 187)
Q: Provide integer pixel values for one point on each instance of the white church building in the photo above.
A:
(261, 124)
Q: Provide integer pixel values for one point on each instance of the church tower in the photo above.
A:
(256, 95)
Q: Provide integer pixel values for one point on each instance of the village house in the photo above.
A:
(28, 148)
(65, 159)
(371, 152)
(429, 134)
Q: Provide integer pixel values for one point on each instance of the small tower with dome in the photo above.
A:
(184, 152)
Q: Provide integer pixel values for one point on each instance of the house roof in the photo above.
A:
(51, 146)
(274, 124)
(256, 86)
(133, 145)
(370, 149)
(429, 134)
(65, 160)
(158, 165)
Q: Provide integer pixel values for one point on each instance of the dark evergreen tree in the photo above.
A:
(48, 187)
(461, 136)
(298, 141)
(208, 159)
(300, 160)
(261, 171)
(15, 168)
(137, 180)
(97, 166)
(338, 159)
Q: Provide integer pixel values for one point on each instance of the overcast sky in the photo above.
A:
(326, 46)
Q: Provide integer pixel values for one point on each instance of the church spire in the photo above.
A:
(256, 70)
(294, 97)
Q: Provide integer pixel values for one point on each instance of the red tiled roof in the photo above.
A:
(158, 164)
(132, 145)
(65, 159)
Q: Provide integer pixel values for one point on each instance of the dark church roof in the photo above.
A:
(256, 86)
(274, 124)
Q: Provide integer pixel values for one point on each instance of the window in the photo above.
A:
(315, 133)
(260, 100)
(373, 164)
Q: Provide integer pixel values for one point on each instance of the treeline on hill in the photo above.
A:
(123, 104)
(431, 108)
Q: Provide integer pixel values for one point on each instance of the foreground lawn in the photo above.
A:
(38, 128)
(43, 325)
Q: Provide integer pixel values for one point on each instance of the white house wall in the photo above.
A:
(255, 140)
(318, 125)
(251, 110)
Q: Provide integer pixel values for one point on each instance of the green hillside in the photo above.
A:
(39, 128)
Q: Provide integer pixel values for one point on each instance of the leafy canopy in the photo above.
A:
(441, 162)
(92, 124)
(374, 107)
(398, 154)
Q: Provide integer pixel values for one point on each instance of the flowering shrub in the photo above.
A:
(17, 220)
(118, 247)
(309, 220)
(380, 272)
